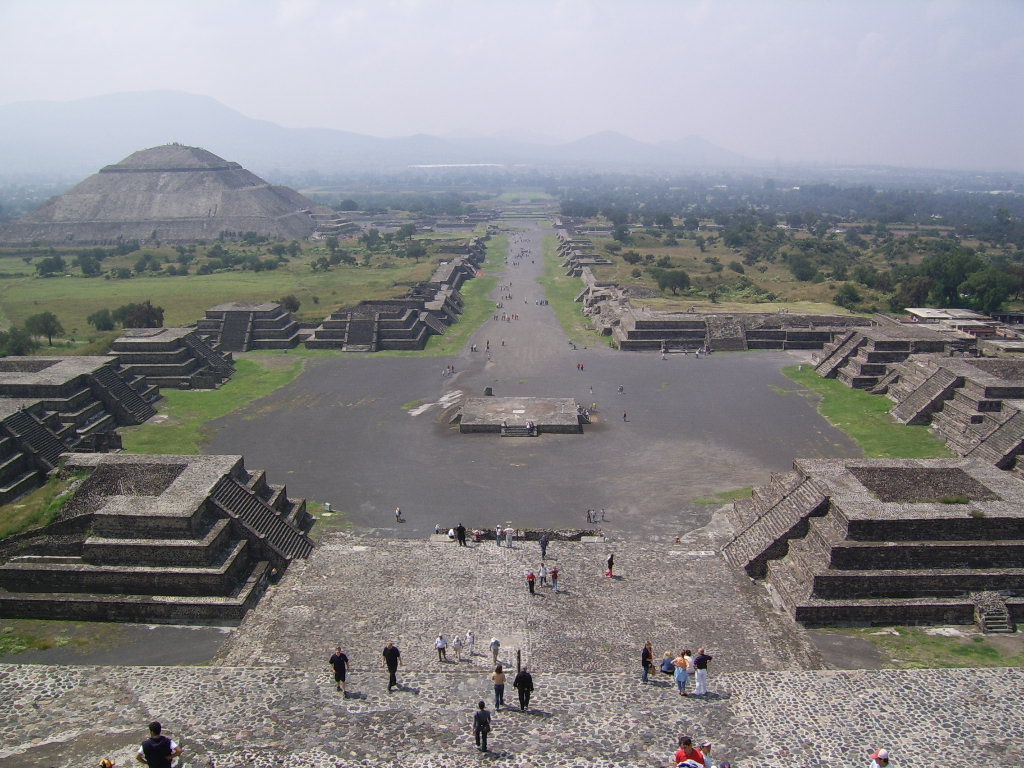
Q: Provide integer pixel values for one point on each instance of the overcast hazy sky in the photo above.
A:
(911, 82)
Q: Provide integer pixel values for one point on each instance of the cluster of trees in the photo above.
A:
(134, 315)
(23, 339)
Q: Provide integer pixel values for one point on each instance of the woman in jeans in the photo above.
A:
(498, 678)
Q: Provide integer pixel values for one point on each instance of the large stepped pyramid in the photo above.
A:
(174, 194)
(885, 540)
(155, 538)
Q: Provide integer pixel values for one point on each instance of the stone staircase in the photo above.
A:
(518, 430)
(283, 538)
(39, 439)
(991, 613)
(120, 398)
(1004, 442)
(921, 392)
(235, 331)
(834, 356)
(221, 367)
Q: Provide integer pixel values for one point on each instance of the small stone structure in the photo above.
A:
(49, 405)
(172, 357)
(172, 539)
(402, 323)
(521, 416)
(240, 327)
(894, 541)
(864, 358)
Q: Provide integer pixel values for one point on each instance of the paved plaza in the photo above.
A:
(369, 434)
(269, 699)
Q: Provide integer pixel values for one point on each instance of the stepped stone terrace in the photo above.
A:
(176, 539)
(49, 405)
(240, 327)
(886, 541)
(513, 416)
(172, 357)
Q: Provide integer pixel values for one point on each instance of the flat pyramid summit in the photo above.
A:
(171, 193)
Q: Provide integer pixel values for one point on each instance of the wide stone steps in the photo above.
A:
(168, 609)
(873, 555)
(835, 358)
(814, 612)
(205, 352)
(905, 583)
(928, 397)
(104, 550)
(1004, 443)
(31, 574)
(37, 437)
(259, 517)
(518, 431)
(130, 400)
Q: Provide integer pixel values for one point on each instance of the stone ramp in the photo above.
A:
(262, 716)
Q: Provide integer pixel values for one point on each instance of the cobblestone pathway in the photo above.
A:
(270, 701)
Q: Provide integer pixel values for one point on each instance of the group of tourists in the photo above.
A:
(682, 667)
(541, 576)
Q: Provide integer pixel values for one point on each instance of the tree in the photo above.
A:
(51, 265)
(17, 341)
(332, 244)
(371, 239)
(674, 280)
(986, 289)
(143, 315)
(44, 324)
(415, 251)
(847, 296)
(101, 320)
(289, 302)
(803, 268)
(405, 232)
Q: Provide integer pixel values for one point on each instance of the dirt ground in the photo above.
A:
(370, 434)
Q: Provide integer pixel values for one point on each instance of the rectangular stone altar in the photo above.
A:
(548, 414)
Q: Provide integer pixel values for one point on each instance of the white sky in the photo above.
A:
(910, 82)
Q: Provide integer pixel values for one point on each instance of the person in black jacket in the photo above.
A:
(157, 751)
(524, 685)
(481, 726)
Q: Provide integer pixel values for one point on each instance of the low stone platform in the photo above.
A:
(547, 414)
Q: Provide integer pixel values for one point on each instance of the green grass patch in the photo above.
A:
(38, 508)
(916, 648)
(20, 635)
(561, 292)
(725, 496)
(186, 413)
(865, 419)
(326, 522)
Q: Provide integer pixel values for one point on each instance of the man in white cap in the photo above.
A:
(880, 758)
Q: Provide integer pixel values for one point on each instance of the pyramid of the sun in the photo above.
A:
(172, 194)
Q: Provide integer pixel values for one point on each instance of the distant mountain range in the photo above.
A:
(79, 137)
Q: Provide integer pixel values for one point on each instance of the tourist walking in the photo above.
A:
(460, 534)
(531, 580)
(544, 541)
(554, 578)
(611, 565)
(340, 663)
(523, 684)
(481, 726)
(398, 514)
(687, 752)
(157, 751)
(880, 758)
(497, 534)
(457, 647)
(543, 574)
(470, 640)
(509, 535)
(392, 659)
(646, 661)
(495, 646)
(681, 674)
(498, 678)
(700, 665)
(442, 648)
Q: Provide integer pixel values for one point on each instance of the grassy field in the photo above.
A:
(865, 418)
(184, 413)
(927, 648)
(561, 294)
(36, 509)
(186, 298)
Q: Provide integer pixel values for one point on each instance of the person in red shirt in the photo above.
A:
(687, 751)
